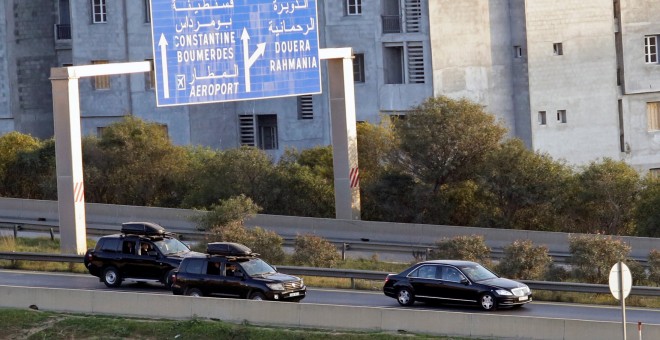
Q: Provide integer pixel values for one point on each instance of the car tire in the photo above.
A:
(487, 302)
(167, 279)
(194, 292)
(111, 277)
(405, 297)
(257, 296)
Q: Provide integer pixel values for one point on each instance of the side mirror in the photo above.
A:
(274, 268)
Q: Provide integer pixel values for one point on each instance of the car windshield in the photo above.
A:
(477, 273)
(257, 267)
(171, 246)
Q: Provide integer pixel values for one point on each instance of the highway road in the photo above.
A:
(346, 297)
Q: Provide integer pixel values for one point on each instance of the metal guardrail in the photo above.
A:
(417, 251)
(353, 275)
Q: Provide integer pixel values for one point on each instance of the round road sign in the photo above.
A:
(626, 280)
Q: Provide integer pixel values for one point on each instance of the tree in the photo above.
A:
(233, 172)
(445, 140)
(134, 163)
(376, 146)
(647, 210)
(33, 174)
(12, 145)
(606, 195)
(528, 190)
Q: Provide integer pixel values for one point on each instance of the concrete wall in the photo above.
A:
(178, 220)
(582, 81)
(642, 81)
(473, 54)
(315, 316)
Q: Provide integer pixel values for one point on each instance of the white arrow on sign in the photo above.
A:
(163, 62)
(249, 60)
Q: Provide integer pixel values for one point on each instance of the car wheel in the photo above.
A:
(257, 296)
(487, 302)
(111, 277)
(167, 280)
(405, 297)
(194, 292)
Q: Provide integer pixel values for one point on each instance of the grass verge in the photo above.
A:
(30, 324)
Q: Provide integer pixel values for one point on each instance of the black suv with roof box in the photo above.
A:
(233, 270)
(143, 251)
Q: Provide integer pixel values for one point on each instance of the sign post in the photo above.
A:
(209, 51)
(620, 284)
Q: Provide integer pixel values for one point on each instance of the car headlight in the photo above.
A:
(503, 292)
(275, 286)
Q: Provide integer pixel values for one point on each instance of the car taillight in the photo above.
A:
(90, 256)
(173, 278)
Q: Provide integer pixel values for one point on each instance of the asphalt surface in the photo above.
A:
(346, 297)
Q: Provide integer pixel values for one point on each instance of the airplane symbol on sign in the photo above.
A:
(180, 81)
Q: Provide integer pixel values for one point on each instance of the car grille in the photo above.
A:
(292, 285)
(522, 291)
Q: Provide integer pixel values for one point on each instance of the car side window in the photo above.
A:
(195, 266)
(451, 274)
(128, 247)
(425, 272)
(213, 268)
(110, 245)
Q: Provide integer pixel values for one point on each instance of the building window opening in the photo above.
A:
(651, 49)
(267, 127)
(101, 82)
(353, 7)
(653, 115)
(98, 11)
(558, 49)
(542, 118)
(561, 116)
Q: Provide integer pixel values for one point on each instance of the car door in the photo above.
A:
(454, 286)
(424, 281)
(146, 261)
(234, 279)
(215, 281)
(129, 265)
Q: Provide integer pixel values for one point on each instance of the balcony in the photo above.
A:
(62, 32)
(391, 24)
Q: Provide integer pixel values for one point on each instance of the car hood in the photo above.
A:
(500, 282)
(278, 277)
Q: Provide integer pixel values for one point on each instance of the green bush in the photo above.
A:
(523, 260)
(654, 267)
(227, 212)
(557, 273)
(592, 256)
(638, 273)
(311, 250)
(469, 248)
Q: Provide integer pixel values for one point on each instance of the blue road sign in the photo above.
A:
(224, 50)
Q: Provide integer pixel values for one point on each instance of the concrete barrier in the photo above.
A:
(180, 220)
(331, 317)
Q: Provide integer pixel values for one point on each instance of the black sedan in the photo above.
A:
(452, 281)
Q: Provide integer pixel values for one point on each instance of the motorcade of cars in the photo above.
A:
(455, 282)
(142, 252)
(233, 270)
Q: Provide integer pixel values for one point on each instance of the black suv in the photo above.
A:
(233, 270)
(143, 251)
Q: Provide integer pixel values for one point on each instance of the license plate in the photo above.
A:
(294, 294)
(523, 298)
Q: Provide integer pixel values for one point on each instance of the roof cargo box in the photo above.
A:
(228, 249)
(142, 228)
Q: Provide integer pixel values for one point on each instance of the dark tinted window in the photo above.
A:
(110, 244)
(194, 266)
